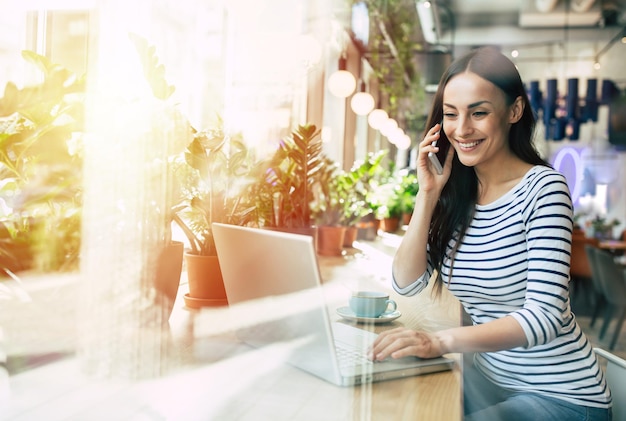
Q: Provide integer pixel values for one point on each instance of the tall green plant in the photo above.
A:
(41, 130)
(215, 173)
(155, 76)
(364, 178)
(343, 195)
(287, 180)
(153, 69)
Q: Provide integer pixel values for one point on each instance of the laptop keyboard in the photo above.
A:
(351, 357)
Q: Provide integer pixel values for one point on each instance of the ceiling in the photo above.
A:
(525, 22)
(461, 25)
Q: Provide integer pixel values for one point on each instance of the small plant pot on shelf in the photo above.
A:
(368, 228)
(350, 236)
(330, 240)
(391, 224)
(367, 231)
(206, 286)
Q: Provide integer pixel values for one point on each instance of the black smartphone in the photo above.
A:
(439, 158)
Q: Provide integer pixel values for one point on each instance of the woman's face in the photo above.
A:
(477, 120)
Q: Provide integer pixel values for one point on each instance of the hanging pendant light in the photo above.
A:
(388, 126)
(404, 142)
(396, 135)
(362, 102)
(376, 118)
(342, 83)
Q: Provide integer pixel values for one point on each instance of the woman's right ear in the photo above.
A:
(516, 110)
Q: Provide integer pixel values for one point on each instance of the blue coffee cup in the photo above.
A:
(371, 304)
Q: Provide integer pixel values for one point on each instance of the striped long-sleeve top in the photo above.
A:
(514, 260)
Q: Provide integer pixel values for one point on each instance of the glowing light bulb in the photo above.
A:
(376, 118)
(404, 142)
(388, 126)
(362, 103)
(342, 83)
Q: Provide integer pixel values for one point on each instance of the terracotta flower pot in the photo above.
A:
(350, 236)
(168, 270)
(391, 224)
(206, 286)
(367, 231)
(330, 240)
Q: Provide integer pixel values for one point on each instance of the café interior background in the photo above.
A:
(263, 66)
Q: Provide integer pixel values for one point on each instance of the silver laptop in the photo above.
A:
(260, 265)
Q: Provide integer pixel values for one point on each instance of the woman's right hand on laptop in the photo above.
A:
(403, 342)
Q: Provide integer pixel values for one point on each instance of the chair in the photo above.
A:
(616, 378)
(612, 278)
(596, 281)
(580, 269)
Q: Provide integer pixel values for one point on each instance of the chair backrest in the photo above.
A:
(596, 276)
(612, 278)
(579, 262)
(616, 378)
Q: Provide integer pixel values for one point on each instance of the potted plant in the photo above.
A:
(286, 182)
(367, 176)
(391, 210)
(347, 194)
(214, 173)
(408, 191)
(385, 196)
(41, 167)
(169, 253)
(329, 208)
(603, 228)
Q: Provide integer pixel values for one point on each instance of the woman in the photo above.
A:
(495, 227)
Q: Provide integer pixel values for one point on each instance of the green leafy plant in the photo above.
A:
(408, 191)
(359, 185)
(391, 52)
(285, 190)
(391, 200)
(155, 75)
(153, 70)
(602, 227)
(41, 129)
(335, 196)
(383, 190)
(214, 176)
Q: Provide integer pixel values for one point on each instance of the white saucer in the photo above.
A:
(348, 314)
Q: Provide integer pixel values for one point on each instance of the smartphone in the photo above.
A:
(439, 158)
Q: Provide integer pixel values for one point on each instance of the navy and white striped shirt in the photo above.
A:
(514, 260)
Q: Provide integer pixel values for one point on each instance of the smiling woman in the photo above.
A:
(495, 230)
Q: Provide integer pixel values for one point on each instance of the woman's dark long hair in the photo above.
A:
(456, 205)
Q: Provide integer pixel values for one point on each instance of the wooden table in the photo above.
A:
(614, 246)
(206, 373)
